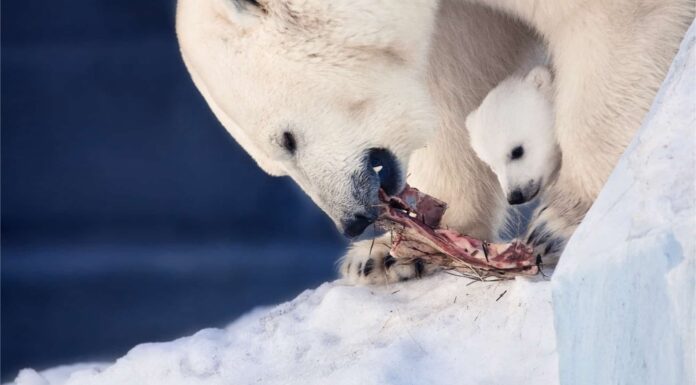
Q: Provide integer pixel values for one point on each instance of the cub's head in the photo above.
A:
(513, 132)
(331, 93)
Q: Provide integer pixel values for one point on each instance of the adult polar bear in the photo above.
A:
(325, 90)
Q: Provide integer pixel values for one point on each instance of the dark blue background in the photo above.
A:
(128, 213)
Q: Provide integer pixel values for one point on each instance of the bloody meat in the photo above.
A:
(414, 218)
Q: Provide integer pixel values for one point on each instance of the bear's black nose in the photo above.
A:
(357, 224)
(384, 163)
(516, 197)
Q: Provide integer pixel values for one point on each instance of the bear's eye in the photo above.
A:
(255, 3)
(288, 142)
(517, 153)
(245, 5)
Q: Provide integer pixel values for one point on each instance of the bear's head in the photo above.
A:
(513, 132)
(331, 93)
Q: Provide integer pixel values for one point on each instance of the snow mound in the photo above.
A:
(55, 375)
(623, 292)
(439, 330)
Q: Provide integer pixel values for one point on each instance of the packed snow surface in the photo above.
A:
(624, 289)
(440, 330)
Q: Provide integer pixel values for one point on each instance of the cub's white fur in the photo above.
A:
(513, 132)
(609, 57)
(345, 76)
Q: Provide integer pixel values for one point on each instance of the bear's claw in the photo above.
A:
(362, 267)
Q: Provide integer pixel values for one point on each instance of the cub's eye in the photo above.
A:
(517, 153)
(288, 142)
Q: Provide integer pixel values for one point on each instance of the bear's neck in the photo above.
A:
(545, 16)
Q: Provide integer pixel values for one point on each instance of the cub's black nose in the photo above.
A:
(357, 224)
(516, 197)
(384, 163)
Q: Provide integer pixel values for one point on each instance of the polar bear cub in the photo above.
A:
(513, 132)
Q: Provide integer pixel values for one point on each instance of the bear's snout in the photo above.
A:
(384, 163)
(379, 170)
(357, 224)
(516, 197)
(520, 195)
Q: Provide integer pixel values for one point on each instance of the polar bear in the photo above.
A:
(349, 96)
(512, 131)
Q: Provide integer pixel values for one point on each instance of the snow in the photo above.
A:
(440, 330)
(623, 291)
(55, 375)
(623, 301)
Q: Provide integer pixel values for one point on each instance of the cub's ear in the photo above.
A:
(242, 13)
(470, 121)
(540, 77)
(476, 136)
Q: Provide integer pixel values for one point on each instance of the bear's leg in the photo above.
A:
(559, 213)
(369, 263)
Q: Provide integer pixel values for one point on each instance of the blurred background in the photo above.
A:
(129, 215)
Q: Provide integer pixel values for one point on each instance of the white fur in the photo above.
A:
(518, 115)
(348, 75)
